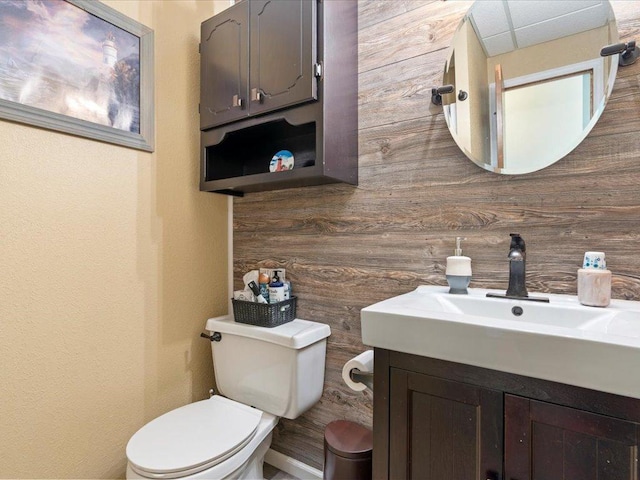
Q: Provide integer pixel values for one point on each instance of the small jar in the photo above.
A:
(594, 281)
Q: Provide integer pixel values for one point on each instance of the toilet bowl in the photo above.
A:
(211, 439)
(279, 371)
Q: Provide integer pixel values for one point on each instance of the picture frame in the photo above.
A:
(53, 78)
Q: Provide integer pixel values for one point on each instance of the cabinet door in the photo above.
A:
(283, 53)
(549, 442)
(441, 429)
(224, 63)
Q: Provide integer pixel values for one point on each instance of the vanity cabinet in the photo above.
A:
(435, 419)
(279, 75)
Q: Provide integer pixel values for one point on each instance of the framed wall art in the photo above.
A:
(79, 67)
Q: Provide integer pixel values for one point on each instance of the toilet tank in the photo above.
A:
(279, 370)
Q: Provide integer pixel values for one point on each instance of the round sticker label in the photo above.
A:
(281, 161)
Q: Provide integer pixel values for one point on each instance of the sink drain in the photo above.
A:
(517, 311)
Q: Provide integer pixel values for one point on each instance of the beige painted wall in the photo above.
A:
(552, 54)
(111, 261)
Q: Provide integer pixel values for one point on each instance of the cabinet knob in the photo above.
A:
(237, 101)
(256, 95)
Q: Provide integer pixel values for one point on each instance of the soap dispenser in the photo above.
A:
(458, 270)
(594, 281)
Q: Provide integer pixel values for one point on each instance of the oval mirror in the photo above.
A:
(529, 81)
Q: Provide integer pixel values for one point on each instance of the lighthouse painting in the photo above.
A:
(60, 58)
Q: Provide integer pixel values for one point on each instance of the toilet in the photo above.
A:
(262, 374)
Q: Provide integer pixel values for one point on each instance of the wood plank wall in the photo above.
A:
(347, 247)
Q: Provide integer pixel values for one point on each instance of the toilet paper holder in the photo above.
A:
(359, 376)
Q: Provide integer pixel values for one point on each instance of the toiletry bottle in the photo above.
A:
(275, 281)
(263, 283)
(276, 289)
(458, 270)
(594, 281)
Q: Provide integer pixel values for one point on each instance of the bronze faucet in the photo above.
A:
(517, 289)
(517, 267)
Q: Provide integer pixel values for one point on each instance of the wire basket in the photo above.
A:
(264, 314)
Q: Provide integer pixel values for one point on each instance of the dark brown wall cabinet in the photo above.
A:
(279, 75)
(257, 56)
(435, 419)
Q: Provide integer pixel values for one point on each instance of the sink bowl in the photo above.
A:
(561, 340)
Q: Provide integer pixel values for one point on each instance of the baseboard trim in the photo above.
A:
(292, 466)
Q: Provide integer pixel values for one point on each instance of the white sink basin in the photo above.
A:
(563, 341)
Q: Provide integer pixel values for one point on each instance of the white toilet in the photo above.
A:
(264, 373)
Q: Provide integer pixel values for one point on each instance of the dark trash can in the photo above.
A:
(347, 451)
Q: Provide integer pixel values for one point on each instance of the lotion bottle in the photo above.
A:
(458, 270)
(276, 289)
(594, 281)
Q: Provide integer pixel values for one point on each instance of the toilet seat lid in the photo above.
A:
(193, 437)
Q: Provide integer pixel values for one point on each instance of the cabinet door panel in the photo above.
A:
(549, 442)
(224, 67)
(555, 447)
(443, 438)
(283, 52)
(442, 429)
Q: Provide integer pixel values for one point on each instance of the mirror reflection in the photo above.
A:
(533, 78)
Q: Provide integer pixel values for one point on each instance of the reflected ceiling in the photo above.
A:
(503, 26)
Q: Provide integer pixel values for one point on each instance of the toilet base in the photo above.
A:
(252, 470)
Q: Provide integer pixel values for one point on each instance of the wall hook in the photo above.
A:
(436, 93)
(628, 52)
(462, 95)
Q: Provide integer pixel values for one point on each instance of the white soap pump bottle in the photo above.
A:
(458, 270)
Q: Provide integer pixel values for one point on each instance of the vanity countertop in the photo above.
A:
(561, 341)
